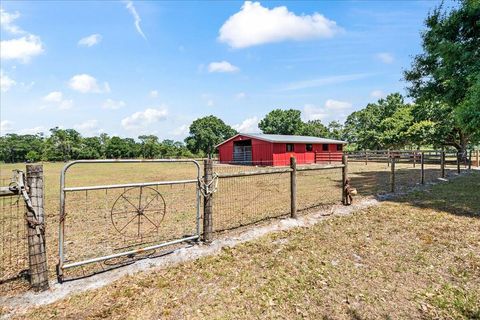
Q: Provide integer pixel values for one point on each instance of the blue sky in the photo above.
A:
(131, 68)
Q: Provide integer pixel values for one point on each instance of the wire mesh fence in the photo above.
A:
(13, 244)
(249, 194)
(244, 200)
(318, 188)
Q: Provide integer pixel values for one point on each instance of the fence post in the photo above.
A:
(207, 201)
(458, 162)
(442, 163)
(366, 157)
(293, 187)
(422, 166)
(415, 158)
(392, 175)
(470, 160)
(37, 255)
(344, 178)
(478, 158)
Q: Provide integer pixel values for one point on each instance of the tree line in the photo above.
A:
(68, 144)
(443, 83)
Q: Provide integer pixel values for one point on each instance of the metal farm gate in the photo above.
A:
(111, 225)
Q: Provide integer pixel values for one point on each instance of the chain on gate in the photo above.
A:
(18, 186)
(207, 189)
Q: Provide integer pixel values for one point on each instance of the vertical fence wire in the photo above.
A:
(318, 188)
(246, 200)
(13, 244)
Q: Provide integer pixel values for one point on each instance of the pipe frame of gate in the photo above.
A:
(61, 266)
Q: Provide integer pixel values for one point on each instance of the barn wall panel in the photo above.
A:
(267, 153)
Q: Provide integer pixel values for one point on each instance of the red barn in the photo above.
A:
(276, 150)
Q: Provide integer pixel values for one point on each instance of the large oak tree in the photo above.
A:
(445, 78)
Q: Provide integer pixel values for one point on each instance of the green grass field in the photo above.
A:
(414, 257)
(94, 218)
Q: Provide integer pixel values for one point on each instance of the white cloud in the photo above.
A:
(106, 87)
(255, 24)
(332, 110)
(144, 118)
(208, 99)
(337, 105)
(182, 130)
(5, 125)
(56, 97)
(33, 130)
(240, 95)
(222, 66)
(90, 41)
(324, 81)
(385, 57)
(154, 94)
(7, 19)
(377, 94)
(249, 125)
(85, 83)
(112, 104)
(89, 127)
(66, 104)
(6, 83)
(311, 112)
(136, 17)
(22, 49)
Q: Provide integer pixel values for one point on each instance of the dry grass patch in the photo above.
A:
(416, 258)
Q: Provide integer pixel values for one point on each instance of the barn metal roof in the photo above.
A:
(280, 138)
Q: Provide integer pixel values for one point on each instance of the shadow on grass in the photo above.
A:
(457, 194)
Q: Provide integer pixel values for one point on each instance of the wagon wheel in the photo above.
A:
(138, 212)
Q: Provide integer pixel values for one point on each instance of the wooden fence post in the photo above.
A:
(293, 187)
(478, 158)
(442, 163)
(392, 175)
(207, 201)
(366, 157)
(37, 255)
(458, 162)
(414, 158)
(344, 178)
(470, 160)
(422, 166)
